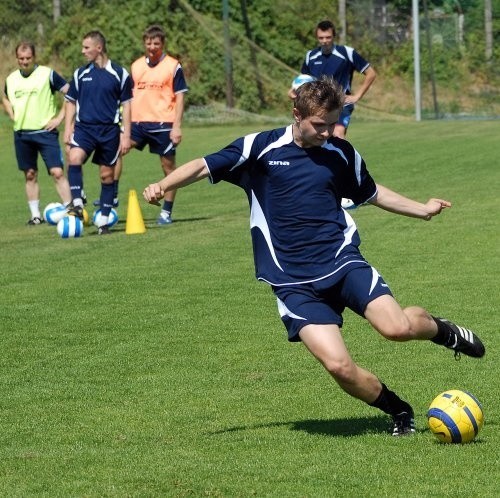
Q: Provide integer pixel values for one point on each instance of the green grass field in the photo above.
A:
(155, 364)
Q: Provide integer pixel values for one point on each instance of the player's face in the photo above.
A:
(91, 49)
(154, 48)
(325, 40)
(314, 130)
(25, 60)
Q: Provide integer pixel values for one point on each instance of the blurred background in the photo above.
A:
(240, 56)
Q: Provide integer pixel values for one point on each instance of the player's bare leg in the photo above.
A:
(62, 185)
(325, 342)
(32, 189)
(165, 217)
(414, 322)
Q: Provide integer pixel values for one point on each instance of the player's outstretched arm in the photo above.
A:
(396, 203)
(186, 174)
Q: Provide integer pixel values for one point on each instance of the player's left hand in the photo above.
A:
(176, 135)
(124, 144)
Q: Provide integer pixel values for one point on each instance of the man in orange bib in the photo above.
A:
(158, 106)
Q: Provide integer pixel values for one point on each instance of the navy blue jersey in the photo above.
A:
(180, 85)
(99, 92)
(340, 64)
(300, 233)
(56, 81)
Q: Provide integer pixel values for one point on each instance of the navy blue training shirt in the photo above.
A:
(340, 64)
(300, 233)
(99, 92)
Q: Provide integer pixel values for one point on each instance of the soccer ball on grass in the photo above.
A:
(112, 218)
(455, 417)
(70, 227)
(53, 212)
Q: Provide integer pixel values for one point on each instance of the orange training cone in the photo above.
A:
(135, 222)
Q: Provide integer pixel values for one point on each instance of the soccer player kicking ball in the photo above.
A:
(307, 247)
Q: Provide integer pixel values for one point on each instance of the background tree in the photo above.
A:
(269, 39)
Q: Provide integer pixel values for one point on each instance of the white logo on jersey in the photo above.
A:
(278, 163)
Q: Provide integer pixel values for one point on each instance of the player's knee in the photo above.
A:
(168, 165)
(398, 330)
(106, 177)
(57, 173)
(30, 175)
(342, 370)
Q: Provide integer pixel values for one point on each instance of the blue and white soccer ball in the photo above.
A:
(301, 79)
(54, 212)
(112, 218)
(69, 227)
(348, 204)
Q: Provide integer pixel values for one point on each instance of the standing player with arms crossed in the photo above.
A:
(158, 106)
(308, 251)
(93, 108)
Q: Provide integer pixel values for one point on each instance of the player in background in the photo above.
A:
(158, 107)
(339, 62)
(95, 95)
(308, 251)
(30, 101)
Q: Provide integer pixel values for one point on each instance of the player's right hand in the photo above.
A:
(153, 193)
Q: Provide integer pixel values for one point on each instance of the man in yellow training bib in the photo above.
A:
(29, 100)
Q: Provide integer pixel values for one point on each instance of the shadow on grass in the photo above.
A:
(151, 222)
(344, 427)
(148, 222)
(335, 427)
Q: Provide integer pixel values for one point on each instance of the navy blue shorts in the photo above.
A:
(345, 115)
(324, 301)
(102, 140)
(28, 144)
(156, 135)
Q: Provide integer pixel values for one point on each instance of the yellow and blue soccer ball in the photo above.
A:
(455, 417)
(54, 212)
(70, 227)
(112, 218)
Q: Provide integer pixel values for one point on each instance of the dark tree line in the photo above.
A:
(267, 39)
